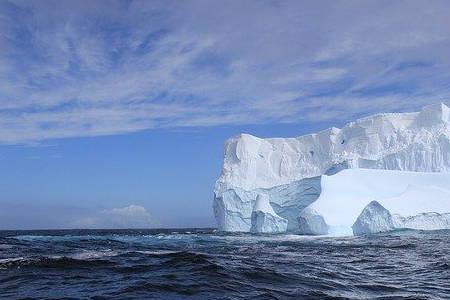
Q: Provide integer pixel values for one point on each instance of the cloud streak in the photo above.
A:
(132, 216)
(86, 68)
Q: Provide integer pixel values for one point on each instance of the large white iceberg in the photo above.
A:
(289, 171)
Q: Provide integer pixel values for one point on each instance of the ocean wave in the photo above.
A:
(10, 259)
(94, 254)
(50, 262)
(86, 258)
(157, 252)
(220, 266)
(6, 246)
(57, 238)
(161, 288)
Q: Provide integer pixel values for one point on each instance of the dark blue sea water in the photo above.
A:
(203, 264)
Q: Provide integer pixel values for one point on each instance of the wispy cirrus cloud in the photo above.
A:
(84, 68)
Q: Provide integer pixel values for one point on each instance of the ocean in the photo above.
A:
(205, 264)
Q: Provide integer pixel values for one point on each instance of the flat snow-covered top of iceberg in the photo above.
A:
(346, 194)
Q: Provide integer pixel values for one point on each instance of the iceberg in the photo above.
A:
(423, 221)
(264, 218)
(373, 219)
(311, 223)
(233, 208)
(295, 173)
(345, 195)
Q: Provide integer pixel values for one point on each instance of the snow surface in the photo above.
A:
(346, 194)
(289, 170)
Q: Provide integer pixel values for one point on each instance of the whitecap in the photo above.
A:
(11, 259)
(157, 252)
(94, 254)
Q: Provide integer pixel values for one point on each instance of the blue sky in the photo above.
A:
(114, 113)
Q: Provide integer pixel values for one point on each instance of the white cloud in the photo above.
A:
(88, 68)
(132, 216)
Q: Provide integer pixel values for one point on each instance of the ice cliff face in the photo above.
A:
(233, 207)
(289, 170)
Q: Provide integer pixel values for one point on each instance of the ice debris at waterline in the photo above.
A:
(402, 157)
